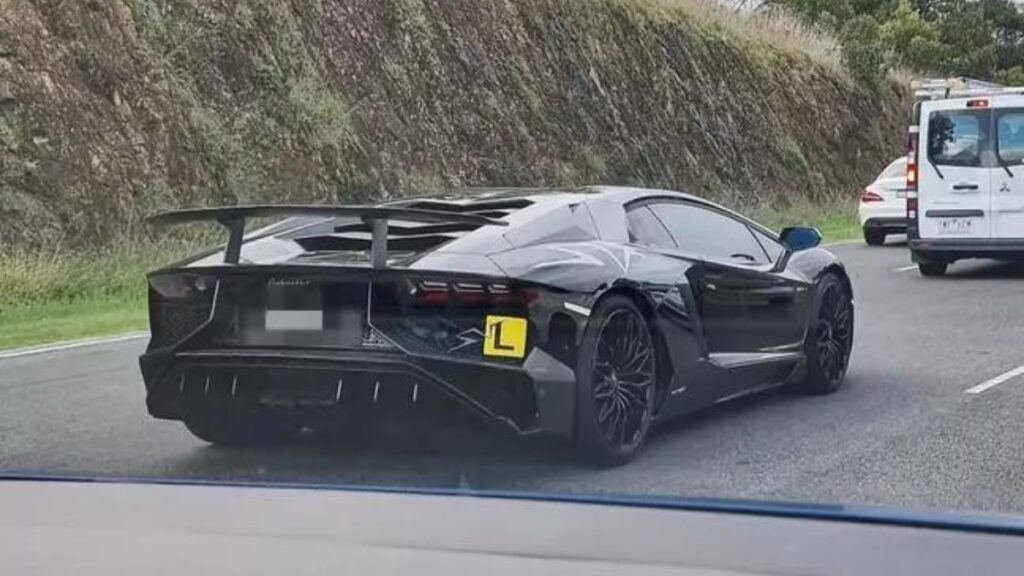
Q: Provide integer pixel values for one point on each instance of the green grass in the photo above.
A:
(67, 294)
(61, 320)
(63, 295)
(836, 220)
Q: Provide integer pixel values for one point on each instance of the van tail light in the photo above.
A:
(912, 146)
(869, 196)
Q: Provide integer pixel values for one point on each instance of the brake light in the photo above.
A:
(182, 286)
(977, 103)
(869, 196)
(912, 146)
(440, 292)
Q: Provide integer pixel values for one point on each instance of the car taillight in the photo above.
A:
(441, 292)
(182, 286)
(869, 196)
(912, 174)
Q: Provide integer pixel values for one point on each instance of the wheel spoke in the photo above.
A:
(634, 378)
(606, 410)
(638, 360)
(633, 396)
(603, 391)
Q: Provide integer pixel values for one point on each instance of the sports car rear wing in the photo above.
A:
(234, 217)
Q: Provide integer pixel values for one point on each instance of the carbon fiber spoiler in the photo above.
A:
(234, 217)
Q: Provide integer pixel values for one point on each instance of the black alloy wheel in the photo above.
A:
(615, 383)
(829, 336)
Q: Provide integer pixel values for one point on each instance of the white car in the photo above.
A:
(883, 204)
(966, 182)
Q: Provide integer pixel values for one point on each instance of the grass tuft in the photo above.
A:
(775, 28)
(835, 219)
(53, 295)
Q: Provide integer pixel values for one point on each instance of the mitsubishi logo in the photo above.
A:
(1005, 188)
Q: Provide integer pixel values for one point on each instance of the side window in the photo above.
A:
(1010, 136)
(710, 233)
(958, 138)
(645, 228)
(770, 244)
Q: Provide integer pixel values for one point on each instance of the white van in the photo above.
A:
(965, 196)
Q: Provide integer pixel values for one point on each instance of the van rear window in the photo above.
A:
(1010, 136)
(958, 137)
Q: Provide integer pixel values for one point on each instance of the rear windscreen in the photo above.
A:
(1010, 136)
(958, 137)
(897, 169)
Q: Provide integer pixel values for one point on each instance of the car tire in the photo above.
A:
(829, 339)
(615, 383)
(874, 236)
(932, 269)
(225, 426)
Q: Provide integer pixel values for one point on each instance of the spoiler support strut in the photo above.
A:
(236, 232)
(379, 242)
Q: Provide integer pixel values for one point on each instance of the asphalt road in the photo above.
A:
(901, 431)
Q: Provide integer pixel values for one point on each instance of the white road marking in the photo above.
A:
(18, 352)
(991, 383)
(905, 268)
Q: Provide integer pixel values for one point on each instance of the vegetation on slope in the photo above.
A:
(112, 110)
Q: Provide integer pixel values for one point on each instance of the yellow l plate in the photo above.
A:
(505, 336)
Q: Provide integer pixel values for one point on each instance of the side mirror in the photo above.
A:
(797, 238)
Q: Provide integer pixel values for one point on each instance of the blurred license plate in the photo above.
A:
(294, 320)
(956, 226)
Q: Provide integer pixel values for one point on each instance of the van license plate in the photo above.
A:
(956, 226)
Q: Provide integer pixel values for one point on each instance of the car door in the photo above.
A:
(954, 186)
(1008, 177)
(748, 310)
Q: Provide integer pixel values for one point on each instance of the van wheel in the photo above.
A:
(874, 237)
(932, 268)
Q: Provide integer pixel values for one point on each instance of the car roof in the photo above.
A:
(622, 195)
(470, 196)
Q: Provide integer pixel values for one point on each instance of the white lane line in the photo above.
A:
(905, 268)
(1010, 375)
(18, 352)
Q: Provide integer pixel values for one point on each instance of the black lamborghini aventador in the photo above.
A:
(585, 313)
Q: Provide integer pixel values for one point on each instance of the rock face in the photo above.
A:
(112, 109)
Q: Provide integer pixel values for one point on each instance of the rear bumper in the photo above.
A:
(889, 224)
(536, 397)
(926, 249)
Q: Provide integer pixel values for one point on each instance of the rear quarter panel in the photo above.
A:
(581, 274)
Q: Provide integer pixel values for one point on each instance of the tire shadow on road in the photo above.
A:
(382, 456)
(719, 414)
(983, 270)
